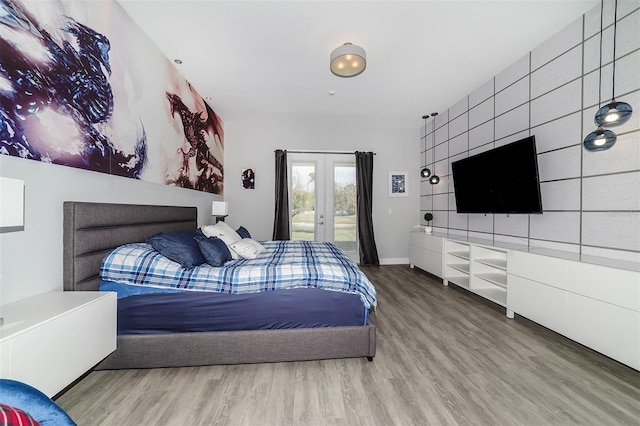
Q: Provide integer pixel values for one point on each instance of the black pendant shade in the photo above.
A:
(600, 140)
(425, 173)
(613, 114)
(434, 179)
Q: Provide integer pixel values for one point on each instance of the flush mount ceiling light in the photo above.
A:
(348, 60)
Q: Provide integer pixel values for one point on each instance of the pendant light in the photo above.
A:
(433, 180)
(600, 139)
(425, 172)
(614, 113)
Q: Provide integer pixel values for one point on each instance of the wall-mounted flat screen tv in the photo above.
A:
(502, 180)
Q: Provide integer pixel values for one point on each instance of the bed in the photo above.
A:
(91, 230)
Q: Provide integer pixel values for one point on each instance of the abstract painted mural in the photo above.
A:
(82, 86)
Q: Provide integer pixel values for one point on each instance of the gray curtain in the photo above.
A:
(281, 217)
(364, 189)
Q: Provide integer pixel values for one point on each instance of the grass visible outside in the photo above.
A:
(344, 232)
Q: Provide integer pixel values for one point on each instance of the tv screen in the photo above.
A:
(502, 180)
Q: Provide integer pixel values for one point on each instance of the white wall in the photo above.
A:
(31, 260)
(591, 200)
(253, 140)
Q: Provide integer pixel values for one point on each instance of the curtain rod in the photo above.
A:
(321, 152)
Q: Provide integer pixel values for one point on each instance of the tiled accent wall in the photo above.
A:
(591, 200)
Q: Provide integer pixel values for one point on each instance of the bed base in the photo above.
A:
(93, 229)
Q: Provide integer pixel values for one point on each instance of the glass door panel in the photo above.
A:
(344, 206)
(303, 200)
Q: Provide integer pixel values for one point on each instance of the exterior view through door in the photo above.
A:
(322, 188)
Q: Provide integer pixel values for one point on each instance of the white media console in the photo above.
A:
(594, 301)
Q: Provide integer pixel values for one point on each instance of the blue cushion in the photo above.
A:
(35, 403)
(214, 250)
(178, 246)
(242, 231)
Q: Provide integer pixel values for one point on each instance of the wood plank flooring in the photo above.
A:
(444, 357)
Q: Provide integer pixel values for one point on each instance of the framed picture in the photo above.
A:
(398, 184)
(248, 179)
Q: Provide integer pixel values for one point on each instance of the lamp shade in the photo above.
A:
(613, 114)
(11, 203)
(599, 140)
(220, 208)
(348, 60)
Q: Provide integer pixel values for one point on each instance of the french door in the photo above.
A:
(322, 191)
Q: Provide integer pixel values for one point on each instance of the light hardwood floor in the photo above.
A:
(444, 356)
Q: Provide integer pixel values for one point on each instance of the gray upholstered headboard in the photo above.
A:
(91, 230)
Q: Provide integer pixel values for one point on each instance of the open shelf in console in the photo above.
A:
(457, 263)
(489, 273)
(479, 268)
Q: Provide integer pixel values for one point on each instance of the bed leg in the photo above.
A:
(370, 358)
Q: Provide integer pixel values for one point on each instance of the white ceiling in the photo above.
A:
(273, 56)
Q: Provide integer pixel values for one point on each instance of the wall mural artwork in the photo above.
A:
(248, 179)
(82, 86)
(200, 168)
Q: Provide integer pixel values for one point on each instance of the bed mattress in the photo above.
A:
(179, 312)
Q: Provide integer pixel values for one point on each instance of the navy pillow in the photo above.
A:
(178, 246)
(242, 231)
(214, 250)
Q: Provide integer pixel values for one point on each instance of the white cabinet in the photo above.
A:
(51, 339)
(595, 305)
(606, 328)
(425, 252)
(593, 301)
(539, 302)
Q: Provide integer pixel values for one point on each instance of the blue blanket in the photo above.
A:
(283, 265)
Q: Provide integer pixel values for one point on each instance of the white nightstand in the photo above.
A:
(51, 339)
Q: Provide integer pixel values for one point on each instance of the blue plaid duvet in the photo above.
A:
(283, 265)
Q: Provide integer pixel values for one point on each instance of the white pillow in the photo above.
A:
(247, 248)
(225, 233)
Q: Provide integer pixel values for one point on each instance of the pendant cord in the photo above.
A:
(615, 23)
(425, 140)
(600, 70)
(433, 146)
